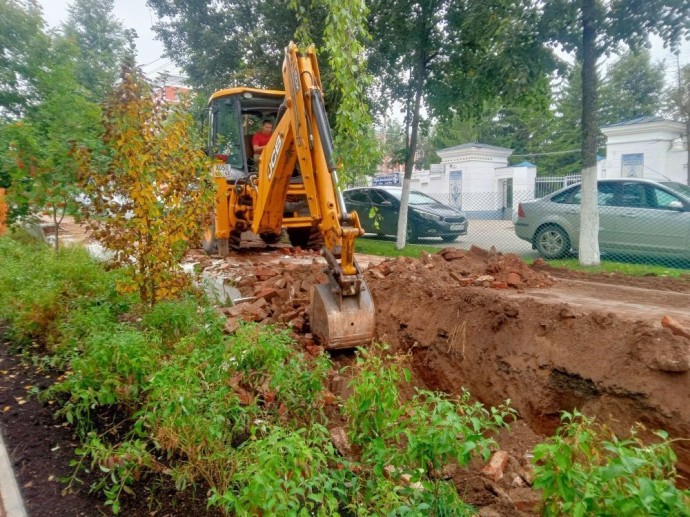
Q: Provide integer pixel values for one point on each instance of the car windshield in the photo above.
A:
(678, 187)
(416, 198)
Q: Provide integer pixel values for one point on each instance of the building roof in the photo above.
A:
(475, 145)
(525, 164)
(639, 120)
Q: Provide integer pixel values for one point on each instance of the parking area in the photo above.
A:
(483, 233)
(501, 234)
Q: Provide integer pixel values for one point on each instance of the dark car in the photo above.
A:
(379, 208)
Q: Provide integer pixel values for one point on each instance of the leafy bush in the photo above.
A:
(587, 470)
(208, 399)
(40, 290)
(284, 472)
(113, 370)
(407, 442)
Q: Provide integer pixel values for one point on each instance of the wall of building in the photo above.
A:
(653, 150)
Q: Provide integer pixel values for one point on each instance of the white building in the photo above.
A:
(646, 147)
(476, 178)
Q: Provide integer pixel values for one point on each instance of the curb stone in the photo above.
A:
(11, 504)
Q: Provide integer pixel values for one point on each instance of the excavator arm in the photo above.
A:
(342, 311)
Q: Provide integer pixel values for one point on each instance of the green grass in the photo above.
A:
(387, 248)
(624, 268)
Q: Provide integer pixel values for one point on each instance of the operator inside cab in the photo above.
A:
(260, 139)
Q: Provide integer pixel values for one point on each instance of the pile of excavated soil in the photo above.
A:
(275, 286)
(451, 266)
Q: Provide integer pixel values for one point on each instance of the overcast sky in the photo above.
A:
(137, 15)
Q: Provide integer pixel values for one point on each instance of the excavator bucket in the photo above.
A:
(341, 322)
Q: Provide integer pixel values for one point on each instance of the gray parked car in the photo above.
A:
(636, 217)
(379, 207)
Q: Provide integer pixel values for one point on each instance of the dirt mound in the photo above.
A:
(451, 266)
(274, 285)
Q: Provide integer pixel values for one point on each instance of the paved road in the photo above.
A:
(485, 234)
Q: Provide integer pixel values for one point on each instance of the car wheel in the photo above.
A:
(552, 242)
(449, 238)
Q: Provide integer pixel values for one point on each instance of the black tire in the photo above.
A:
(306, 238)
(270, 238)
(449, 238)
(552, 241)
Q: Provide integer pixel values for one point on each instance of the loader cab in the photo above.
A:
(235, 115)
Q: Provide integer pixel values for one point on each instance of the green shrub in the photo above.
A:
(174, 319)
(404, 442)
(585, 469)
(284, 472)
(113, 370)
(40, 289)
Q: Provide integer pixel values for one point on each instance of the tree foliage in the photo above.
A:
(22, 52)
(344, 36)
(453, 58)
(150, 188)
(633, 87)
(40, 151)
(103, 42)
(230, 42)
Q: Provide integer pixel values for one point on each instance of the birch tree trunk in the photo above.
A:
(589, 212)
(411, 151)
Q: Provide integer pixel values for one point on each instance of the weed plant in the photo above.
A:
(585, 469)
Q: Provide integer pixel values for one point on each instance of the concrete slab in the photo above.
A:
(11, 503)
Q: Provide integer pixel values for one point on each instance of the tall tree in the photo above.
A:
(23, 46)
(633, 87)
(42, 148)
(451, 57)
(678, 105)
(589, 29)
(103, 41)
(221, 43)
(559, 154)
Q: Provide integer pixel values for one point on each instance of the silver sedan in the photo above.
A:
(636, 217)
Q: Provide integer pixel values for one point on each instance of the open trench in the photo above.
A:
(545, 356)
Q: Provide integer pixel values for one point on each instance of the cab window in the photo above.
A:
(226, 131)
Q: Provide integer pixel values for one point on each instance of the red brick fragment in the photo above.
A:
(498, 462)
(675, 327)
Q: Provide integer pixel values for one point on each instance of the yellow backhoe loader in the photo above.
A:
(293, 188)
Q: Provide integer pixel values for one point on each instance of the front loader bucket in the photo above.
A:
(341, 324)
